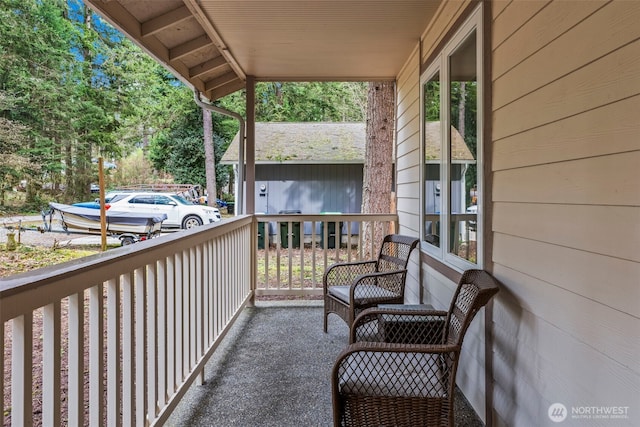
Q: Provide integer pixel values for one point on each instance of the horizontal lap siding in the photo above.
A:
(566, 207)
(609, 129)
(589, 87)
(609, 227)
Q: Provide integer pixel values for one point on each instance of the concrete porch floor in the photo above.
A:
(274, 369)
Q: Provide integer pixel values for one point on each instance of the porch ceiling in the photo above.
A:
(213, 45)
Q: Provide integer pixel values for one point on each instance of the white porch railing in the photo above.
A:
(117, 338)
(123, 334)
(294, 250)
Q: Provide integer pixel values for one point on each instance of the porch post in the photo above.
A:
(250, 171)
(250, 193)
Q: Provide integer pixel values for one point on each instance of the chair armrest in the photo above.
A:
(399, 326)
(345, 273)
(376, 282)
(387, 347)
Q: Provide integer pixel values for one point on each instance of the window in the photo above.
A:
(162, 200)
(142, 200)
(452, 148)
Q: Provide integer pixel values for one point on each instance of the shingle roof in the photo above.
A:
(314, 142)
(308, 142)
(459, 150)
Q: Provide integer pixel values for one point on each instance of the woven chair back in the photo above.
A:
(394, 252)
(475, 289)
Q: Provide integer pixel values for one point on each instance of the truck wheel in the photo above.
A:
(191, 221)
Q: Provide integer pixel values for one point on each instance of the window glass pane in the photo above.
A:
(463, 173)
(433, 157)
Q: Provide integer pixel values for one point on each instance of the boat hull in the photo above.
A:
(87, 220)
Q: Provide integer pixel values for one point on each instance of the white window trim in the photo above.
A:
(441, 64)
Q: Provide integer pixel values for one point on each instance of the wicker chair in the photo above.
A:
(400, 367)
(352, 287)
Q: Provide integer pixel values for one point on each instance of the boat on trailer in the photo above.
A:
(129, 227)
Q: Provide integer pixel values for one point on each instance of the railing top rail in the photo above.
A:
(327, 217)
(71, 277)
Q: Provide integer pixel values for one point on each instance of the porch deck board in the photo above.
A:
(273, 369)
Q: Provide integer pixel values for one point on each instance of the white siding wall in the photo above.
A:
(566, 151)
(566, 207)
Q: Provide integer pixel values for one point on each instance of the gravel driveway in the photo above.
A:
(32, 237)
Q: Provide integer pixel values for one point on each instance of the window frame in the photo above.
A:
(441, 65)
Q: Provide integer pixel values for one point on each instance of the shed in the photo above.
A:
(309, 167)
(462, 158)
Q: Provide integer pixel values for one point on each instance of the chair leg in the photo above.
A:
(325, 320)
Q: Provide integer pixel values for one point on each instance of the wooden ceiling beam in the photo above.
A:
(167, 20)
(207, 66)
(225, 90)
(189, 47)
(220, 81)
(201, 17)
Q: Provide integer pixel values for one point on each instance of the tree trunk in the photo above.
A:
(69, 177)
(378, 165)
(209, 157)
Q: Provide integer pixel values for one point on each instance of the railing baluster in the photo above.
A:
(278, 257)
(96, 355)
(161, 317)
(213, 292)
(313, 254)
(347, 224)
(206, 282)
(171, 326)
(76, 359)
(223, 285)
(221, 256)
(152, 348)
(215, 304)
(114, 396)
(140, 302)
(186, 302)
(325, 243)
(22, 371)
(301, 255)
(267, 251)
(128, 346)
(179, 321)
(193, 330)
(199, 306)
(51, 365)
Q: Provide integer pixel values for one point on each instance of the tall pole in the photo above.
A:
(103, 211)
(201, 104)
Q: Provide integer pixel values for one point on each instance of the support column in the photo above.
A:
(250, 178)
(250, 171)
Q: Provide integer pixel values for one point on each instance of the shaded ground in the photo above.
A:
(274, 369)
